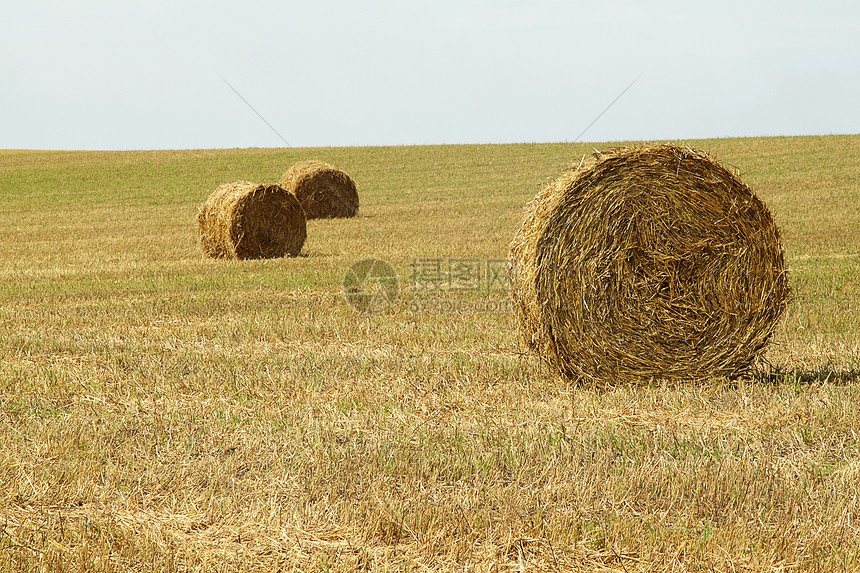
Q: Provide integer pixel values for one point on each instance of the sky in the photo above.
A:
(189, 74)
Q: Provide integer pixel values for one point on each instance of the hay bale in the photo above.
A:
(643, 263)
(251, 221)
(323, 190)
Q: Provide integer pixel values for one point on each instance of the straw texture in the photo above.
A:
(643, 263)
(323, 190)
(251, 221)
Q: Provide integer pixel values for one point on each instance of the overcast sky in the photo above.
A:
(108, 74)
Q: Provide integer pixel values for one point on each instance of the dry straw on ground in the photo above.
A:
(648, 262)
(251, 221)
(323, 190)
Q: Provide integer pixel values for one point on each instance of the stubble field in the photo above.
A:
(162, 411)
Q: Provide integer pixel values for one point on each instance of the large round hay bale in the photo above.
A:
(652, 262)
(251, 221)
(323, 190)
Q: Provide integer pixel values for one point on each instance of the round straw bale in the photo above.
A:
(323, 190)
(251, 221)
(643, 263)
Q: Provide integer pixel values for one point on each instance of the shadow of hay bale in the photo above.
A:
(807, 376)
(646, 263)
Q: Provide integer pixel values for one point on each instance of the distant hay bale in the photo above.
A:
(323, 190)
(643, 263)
(251, 221)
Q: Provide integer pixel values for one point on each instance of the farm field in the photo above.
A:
(164, 411)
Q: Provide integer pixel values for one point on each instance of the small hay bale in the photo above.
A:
(247, 220)
(643, 263)
(323, 190)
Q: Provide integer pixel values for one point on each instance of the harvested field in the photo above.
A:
(164, 411)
